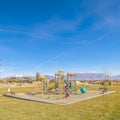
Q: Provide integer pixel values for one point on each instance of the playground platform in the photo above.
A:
(58, 99)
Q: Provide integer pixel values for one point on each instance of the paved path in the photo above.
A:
(70, 100)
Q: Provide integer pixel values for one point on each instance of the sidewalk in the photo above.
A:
(70, 100)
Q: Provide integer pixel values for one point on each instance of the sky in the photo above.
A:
(47, 35)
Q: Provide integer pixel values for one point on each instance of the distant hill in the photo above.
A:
(82, 76)
(89, 76)
(116, 77)
(50, 77)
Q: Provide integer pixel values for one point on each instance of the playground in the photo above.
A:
(63, 90)
(54, 99)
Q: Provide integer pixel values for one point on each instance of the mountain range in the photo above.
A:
(79, 76)
(90, 76)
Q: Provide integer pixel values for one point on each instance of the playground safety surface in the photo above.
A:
(57, 99)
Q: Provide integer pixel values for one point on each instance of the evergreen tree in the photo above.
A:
(38, 76)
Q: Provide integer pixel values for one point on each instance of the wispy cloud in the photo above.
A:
(99, 38)
(13, 31)
(49, 61)
(48, 30)
(86, 42)
(53, 59)
(54, 27)
(106, 13)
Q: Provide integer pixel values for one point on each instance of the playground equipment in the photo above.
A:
(65, 84)
(83, 90)
(71, 76)
(71, 80)
(59, 78)
(44, 85)
(61, 90)
(62, 86)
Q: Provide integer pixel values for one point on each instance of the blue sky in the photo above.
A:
(47, 35)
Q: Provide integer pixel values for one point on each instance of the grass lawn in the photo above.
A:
(93, 109)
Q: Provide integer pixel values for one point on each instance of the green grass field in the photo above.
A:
(93, 109)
